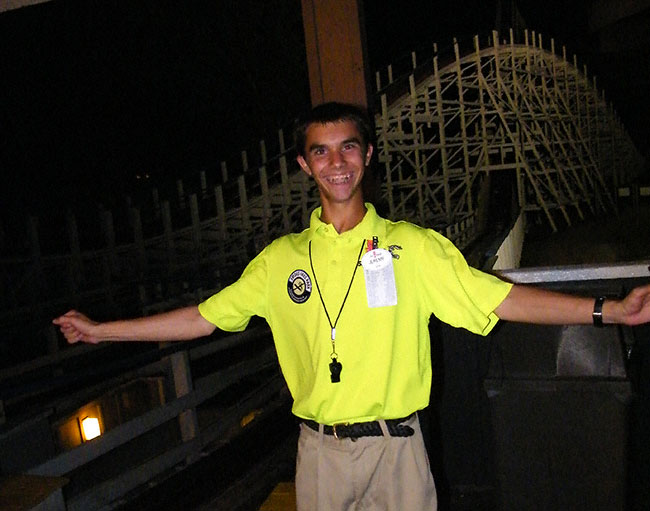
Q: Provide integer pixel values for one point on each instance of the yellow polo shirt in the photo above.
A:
(384, 351)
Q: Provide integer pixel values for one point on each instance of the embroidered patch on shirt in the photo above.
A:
(299, 286)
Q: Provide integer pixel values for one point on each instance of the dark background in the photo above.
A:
(100, 98)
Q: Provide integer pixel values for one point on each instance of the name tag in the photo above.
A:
(380, 278)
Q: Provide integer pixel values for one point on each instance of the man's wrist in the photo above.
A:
(597, 314)
(98, 332)
(613, 311)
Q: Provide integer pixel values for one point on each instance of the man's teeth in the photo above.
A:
(339, 179)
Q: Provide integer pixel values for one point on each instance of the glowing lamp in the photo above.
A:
(90, 428)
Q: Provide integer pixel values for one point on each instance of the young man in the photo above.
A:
(348, 301)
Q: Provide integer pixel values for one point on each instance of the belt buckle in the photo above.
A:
(338, 425)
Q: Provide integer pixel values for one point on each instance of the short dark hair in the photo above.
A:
(332, 112)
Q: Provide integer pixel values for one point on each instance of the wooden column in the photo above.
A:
(336, 51)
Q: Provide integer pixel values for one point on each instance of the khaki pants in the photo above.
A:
(369, 473)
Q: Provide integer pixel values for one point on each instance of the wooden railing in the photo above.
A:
(202, 421)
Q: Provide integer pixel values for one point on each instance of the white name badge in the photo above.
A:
(380, 278)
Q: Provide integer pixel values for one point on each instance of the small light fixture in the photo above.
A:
(90, 428)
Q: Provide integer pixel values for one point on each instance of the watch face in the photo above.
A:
(299, 286)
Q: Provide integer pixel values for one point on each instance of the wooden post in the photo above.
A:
(443, 142)
(169, 240)
(463, 130)
(196, 232)
(221, 221)
(417, 164)
(136, 225)
(181, 193)
(386, 156)
(266, 203)
(336, 54)
(204, 184)
(224, 172)
(244, 161)
(263, 151)
(182, 375)
(286, 193)
(243, 204)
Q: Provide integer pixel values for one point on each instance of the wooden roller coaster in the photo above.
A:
(444, 127)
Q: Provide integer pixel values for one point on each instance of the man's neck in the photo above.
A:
(343, 217)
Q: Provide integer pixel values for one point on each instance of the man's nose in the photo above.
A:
(336, 158)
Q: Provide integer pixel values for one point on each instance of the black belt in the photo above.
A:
(361, 429)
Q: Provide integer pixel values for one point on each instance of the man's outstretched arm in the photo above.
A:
(177, 325)
(533, 305)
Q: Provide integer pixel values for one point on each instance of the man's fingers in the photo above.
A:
(76, 327)
(69, 315)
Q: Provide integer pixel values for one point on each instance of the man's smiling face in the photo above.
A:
(336, 158)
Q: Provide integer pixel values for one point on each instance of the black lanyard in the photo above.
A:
(335, 366)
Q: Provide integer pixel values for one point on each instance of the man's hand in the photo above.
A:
(76, 327)
(635, 308)
(177, 325)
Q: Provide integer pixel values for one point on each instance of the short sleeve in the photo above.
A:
(232, 308)
(455, 292)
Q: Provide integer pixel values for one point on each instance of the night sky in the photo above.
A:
(97, 92)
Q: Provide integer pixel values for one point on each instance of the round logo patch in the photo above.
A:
(299, 286)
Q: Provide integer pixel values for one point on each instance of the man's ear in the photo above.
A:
(368, 154)
(303, 165)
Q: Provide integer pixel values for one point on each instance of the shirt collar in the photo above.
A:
(371, 225)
